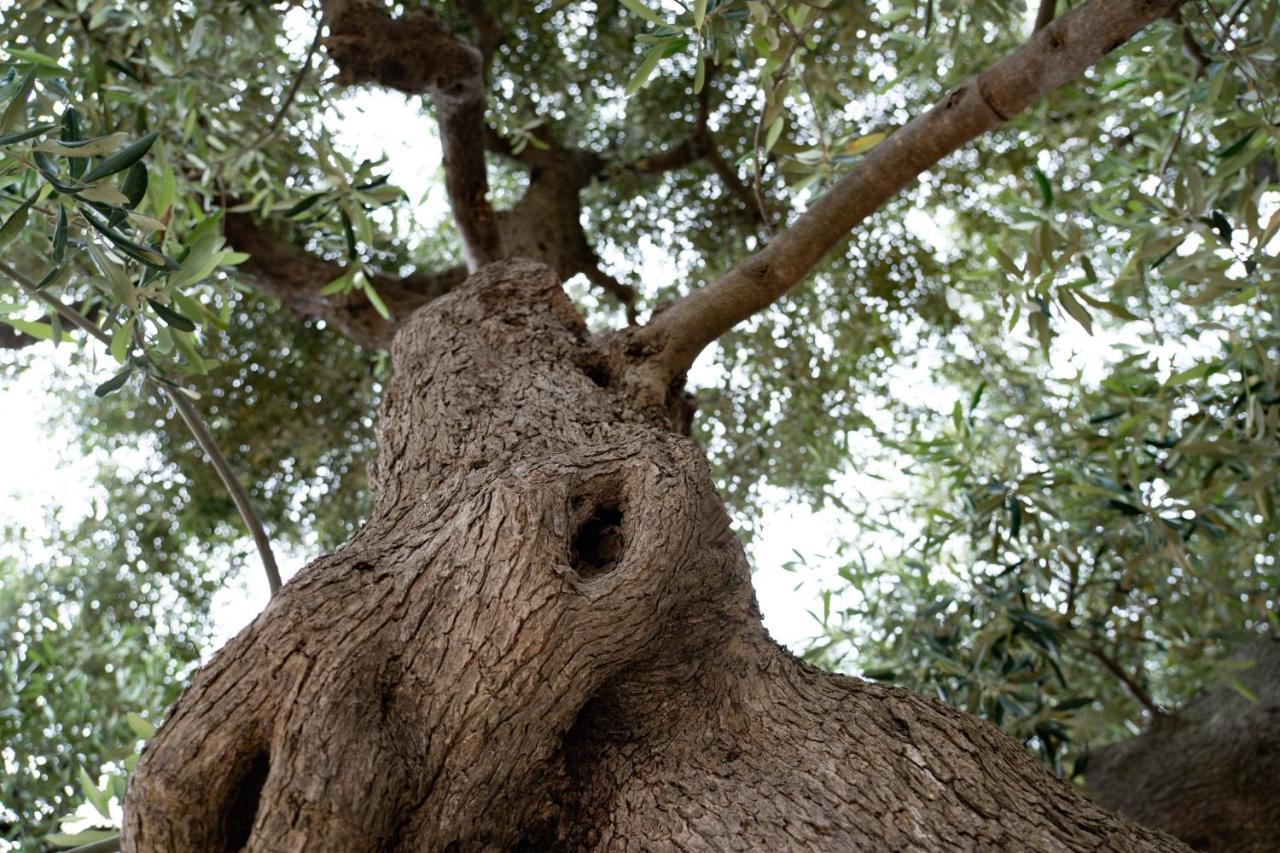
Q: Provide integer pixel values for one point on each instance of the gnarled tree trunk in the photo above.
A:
(1210, 772)
(545, 638)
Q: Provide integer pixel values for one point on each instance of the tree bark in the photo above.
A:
(1209, 773)
(545, 638)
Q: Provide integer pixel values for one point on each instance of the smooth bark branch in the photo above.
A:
(1052, 57)
(416, 54)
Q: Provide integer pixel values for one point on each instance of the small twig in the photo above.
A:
(624, 293)
(289, 97)
(189, 416)
(1136, 689)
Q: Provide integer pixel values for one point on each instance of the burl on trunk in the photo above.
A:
(545, 638)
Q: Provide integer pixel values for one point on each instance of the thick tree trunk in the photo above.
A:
(546, 638)
(1209, 773)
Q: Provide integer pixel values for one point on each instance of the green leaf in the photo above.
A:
(120, 341)
(134, 186)
(1073, 307)
(20, 55)
(1046, 189)
(18, 105)
(91, 790)
(644, 11)
(15, 223)
(145, 254)
(171, 317)
(650, 62)
(140, 726)
(60, 235)
(39, 331)
(200, 262)
(23, 135)
(122, 159)
(342, 283)
(115, 383)
(375, 300)
(118, 281)
(1200, 371)
(699, 13)
(97, 147)
(88, 836)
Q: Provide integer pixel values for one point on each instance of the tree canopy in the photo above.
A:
(1039, 384)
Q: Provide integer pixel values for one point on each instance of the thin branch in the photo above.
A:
(1052, 57)
(292, 94)
(1135, 689)
(1192, 47)
(189, 416)
(624, 293)
(489, 34)
(238, 496)
(106, 845)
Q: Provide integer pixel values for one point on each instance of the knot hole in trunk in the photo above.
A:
(598, 542)
(241, 807)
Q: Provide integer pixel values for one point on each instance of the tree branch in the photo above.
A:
(295, 277)
(189, 416)
(1044, 16)
(289, 97)
(1113, 666)
(1052, 57)
(416, 54)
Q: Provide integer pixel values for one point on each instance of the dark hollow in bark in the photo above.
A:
(1209, 773)
(545, 638)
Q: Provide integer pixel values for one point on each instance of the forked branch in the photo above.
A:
(416, 54)
(1053, 56)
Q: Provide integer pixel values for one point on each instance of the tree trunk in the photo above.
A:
(1209, 773)
(545, 638)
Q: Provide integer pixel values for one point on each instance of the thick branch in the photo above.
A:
(295, 277)
(1052, 57)
(416, 54)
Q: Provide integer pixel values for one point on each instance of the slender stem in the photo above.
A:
(238, 496)
(292, 93)
(106, 845)
(1114, 667)
(189, 416)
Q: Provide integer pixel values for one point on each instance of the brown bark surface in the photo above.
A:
(545, 638)
(1209, 773)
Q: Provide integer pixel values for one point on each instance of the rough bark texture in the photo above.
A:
(545, 638)
(1210, 773)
